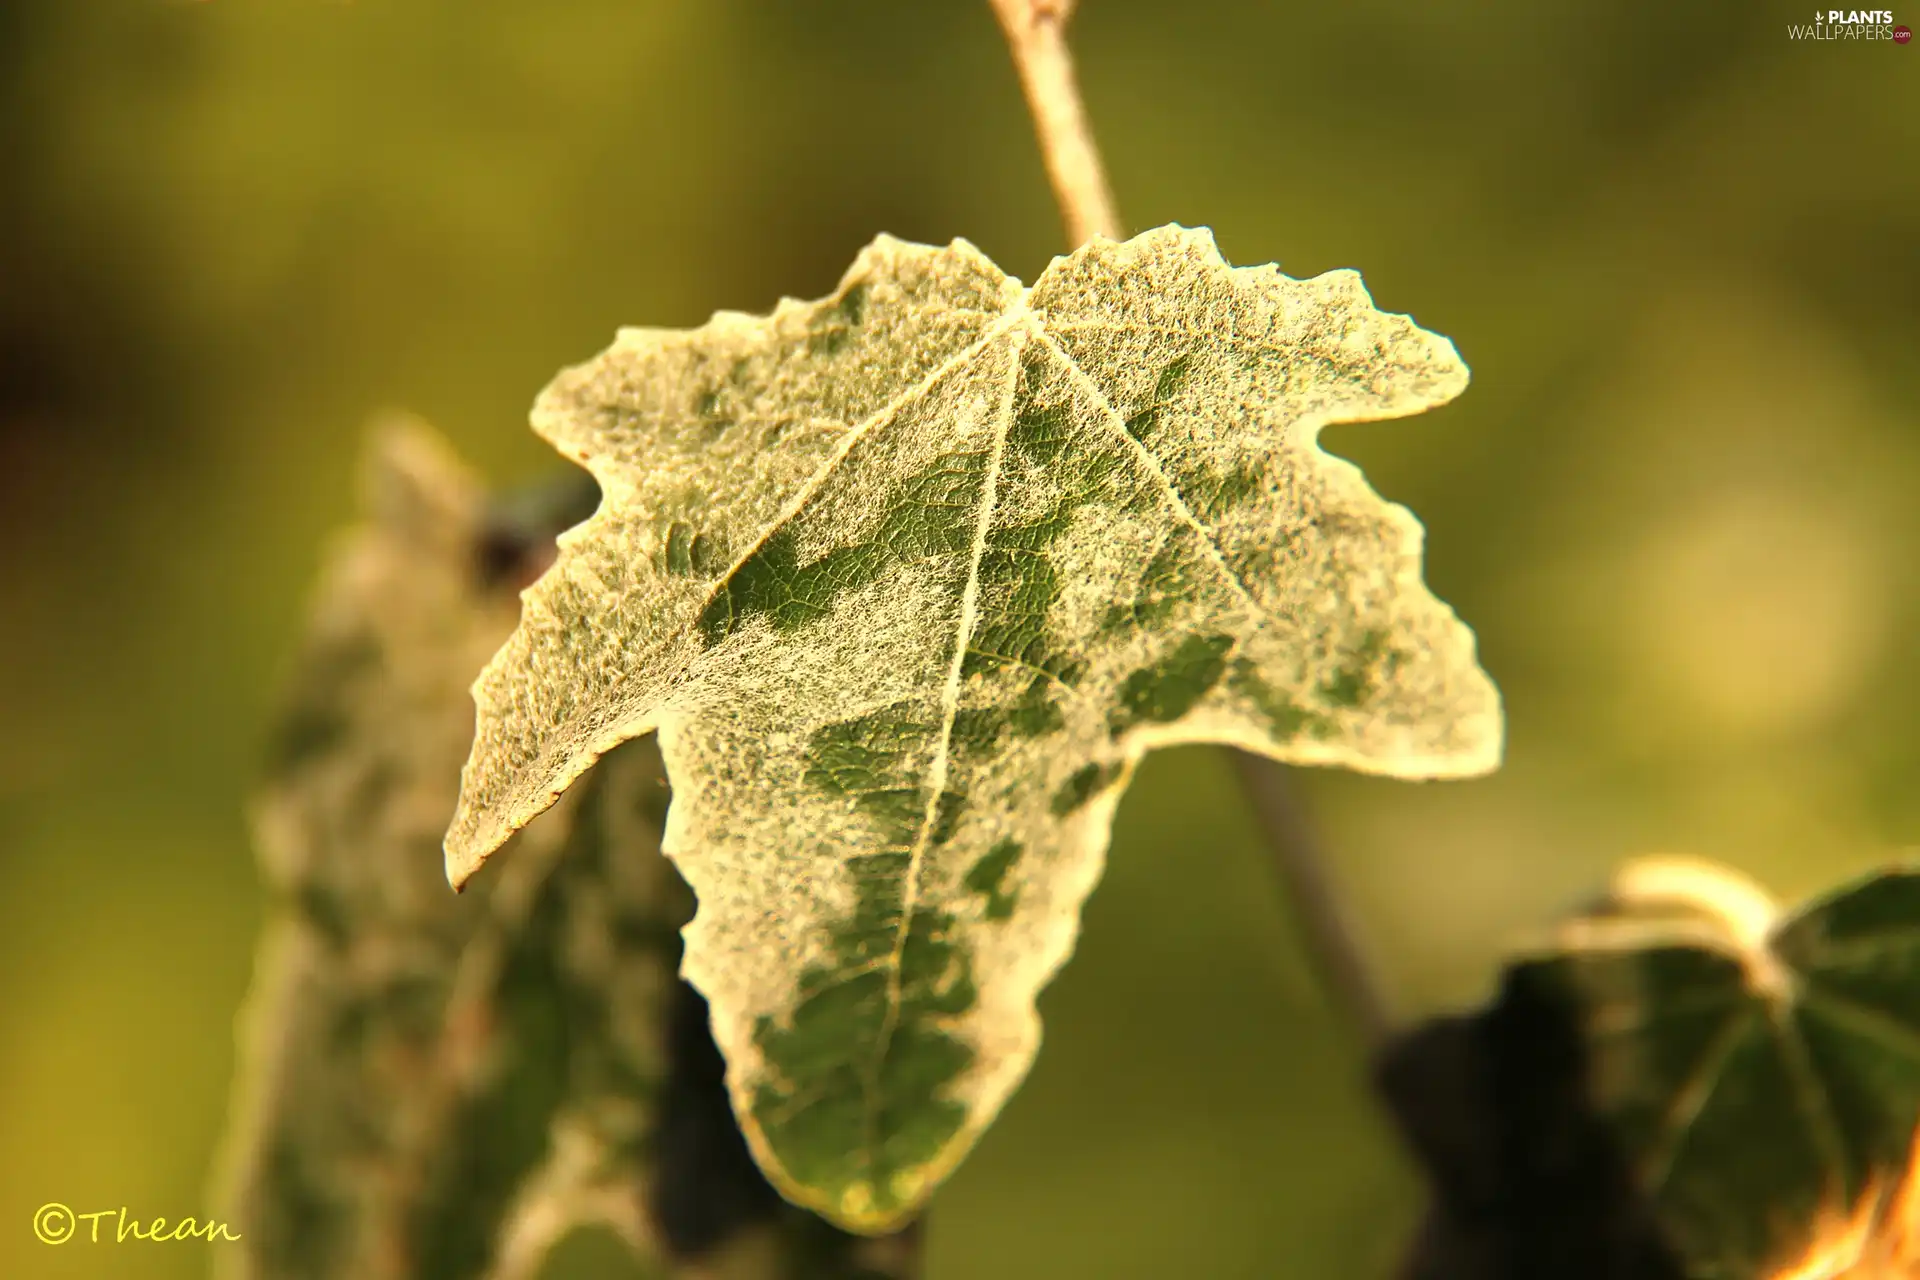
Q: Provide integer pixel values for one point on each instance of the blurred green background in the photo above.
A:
(1680, 252)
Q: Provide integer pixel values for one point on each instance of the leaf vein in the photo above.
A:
(1692, 1098)
(854, 434)
(1117, 422)
(943, 751)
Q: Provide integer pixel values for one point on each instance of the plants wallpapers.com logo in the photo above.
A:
(1850, 24)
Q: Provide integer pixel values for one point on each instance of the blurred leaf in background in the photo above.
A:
(1681, 253)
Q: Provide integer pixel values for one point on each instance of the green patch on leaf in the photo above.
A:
(691, 553)
(924, 516)
(1169, 688)
(978, 730)
(861, 759)
(838, 321)
(1168, 578)
(1356, 679)
(988, 878)
(1213, 496)
(1083, 785)
(1172, 378)
(861, 1130)
(1285, 718)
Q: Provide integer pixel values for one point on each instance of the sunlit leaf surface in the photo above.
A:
(908, 580)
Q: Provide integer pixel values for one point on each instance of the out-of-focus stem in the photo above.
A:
(1332, 944)
(1037, 34)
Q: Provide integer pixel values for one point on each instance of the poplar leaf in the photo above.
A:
(908, 580)
(1762, 1080)
(431, 1084)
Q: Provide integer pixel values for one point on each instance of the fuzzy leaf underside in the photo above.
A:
(908, 580)
(1753, 1094)
(431, 1084)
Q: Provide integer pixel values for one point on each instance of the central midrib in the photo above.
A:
(949, 711)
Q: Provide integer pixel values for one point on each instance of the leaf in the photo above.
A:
(908, 580)
(553, 1062)
(441, 1086)
(434, 1085)
(1757, 1071)
(1527, 1179)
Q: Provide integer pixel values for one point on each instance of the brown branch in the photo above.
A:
(1037, 34)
